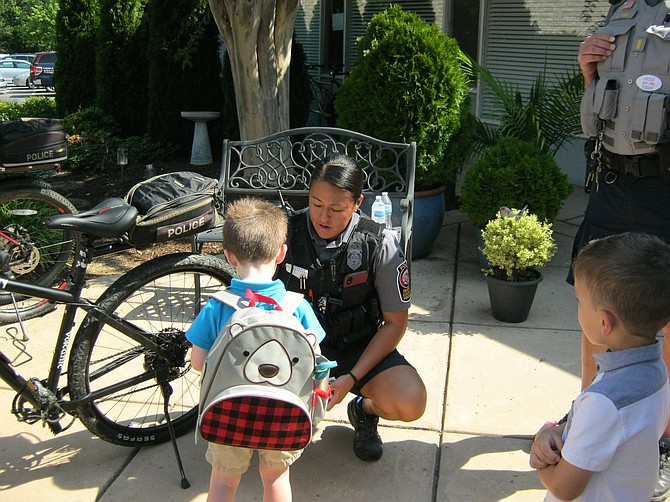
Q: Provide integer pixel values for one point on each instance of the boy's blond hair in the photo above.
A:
(629, 274)
(254, 230)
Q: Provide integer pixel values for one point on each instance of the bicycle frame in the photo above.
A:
(73, 301)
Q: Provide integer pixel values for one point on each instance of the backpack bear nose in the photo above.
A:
(268, 370)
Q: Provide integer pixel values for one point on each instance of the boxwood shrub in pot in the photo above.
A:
(407, 85)
(513, 173)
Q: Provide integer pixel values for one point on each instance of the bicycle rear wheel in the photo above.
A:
(38, 255)
(162, 297)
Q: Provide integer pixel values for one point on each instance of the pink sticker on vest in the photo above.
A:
(649, 82)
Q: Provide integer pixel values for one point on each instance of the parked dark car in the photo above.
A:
(42, 70)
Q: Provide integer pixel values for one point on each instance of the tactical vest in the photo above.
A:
(630, 96)
(342, 291)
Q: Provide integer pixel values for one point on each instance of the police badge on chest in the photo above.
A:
(354, 256)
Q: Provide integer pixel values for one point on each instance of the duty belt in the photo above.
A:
(640, 166)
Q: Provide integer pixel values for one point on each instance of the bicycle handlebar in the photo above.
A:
(333, 70)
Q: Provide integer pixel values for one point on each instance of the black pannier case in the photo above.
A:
(31, 144)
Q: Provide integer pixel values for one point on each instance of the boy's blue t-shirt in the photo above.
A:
(215, 314)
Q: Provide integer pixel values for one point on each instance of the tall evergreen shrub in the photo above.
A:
(184, 70)
(407, 85)
(76, 27)
(121, 67)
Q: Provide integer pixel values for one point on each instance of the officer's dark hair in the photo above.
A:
(340, 171)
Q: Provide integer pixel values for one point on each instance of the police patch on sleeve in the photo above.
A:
(404, 289)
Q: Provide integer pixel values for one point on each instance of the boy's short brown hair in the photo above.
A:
(254, 229)
(629, 274)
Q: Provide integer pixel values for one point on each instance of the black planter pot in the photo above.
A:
(511, 301)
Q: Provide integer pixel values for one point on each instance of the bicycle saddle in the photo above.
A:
(111, 218)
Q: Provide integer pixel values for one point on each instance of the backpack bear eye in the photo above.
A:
(295, 360)
(246, 353)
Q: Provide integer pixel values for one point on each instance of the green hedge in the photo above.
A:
(407, 85)
(76, 27)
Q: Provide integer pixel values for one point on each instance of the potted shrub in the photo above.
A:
(515, 242)
(408, 85)
(515, 173)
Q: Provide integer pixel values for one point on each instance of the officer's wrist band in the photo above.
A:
(356, 380)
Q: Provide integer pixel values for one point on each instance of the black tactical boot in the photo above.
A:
(367, 443)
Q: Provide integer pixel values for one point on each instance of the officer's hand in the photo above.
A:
(592, 50)
(340, 387)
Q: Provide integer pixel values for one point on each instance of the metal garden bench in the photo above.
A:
(282, 163)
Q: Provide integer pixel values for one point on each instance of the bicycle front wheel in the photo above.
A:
(161, 297)
(38, 255)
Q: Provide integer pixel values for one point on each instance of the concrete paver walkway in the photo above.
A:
(490, 387)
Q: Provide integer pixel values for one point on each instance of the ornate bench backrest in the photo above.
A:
(283, 162)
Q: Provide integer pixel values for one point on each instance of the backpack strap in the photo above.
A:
(290, 301)
(288, 304)
(231, 299)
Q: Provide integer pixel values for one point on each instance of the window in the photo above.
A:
(465, 26)
(333, 33)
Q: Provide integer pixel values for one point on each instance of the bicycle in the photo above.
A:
(323, 96)
(129, 378)
(37, 255)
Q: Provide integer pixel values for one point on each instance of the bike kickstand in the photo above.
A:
(167, 392)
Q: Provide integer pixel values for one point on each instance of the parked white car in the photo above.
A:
(22, 79)
(9, 68)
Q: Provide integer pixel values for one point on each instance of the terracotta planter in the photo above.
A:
(511, 301)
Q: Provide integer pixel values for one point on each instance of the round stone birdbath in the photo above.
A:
(201, 152)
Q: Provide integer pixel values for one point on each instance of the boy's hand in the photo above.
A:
(547, 446)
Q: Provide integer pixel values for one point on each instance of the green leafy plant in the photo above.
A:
(515, 241)
(548, 116)
(407, 85)
(513, 173)
(31, 107)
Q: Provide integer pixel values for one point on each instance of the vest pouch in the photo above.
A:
(621, 30)
(606, 100)
(586, 110)
(657, 112)
(639, 114)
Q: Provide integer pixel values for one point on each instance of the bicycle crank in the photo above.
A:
(49, 412)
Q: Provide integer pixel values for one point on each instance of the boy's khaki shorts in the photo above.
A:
(236, 460)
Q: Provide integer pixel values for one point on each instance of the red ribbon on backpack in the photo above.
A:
(319, 392)
(256, 297)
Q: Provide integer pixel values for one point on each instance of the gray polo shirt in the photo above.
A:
(392, 279)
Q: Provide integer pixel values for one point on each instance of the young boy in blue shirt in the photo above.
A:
(254, 243)
(608, 447)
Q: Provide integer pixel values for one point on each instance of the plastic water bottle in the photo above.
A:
(378, 210)
(388, 209)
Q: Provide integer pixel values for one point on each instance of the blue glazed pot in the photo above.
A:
(428, 218)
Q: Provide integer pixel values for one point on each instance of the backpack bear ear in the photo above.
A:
(311, 338)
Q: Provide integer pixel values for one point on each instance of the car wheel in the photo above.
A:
(29, 84)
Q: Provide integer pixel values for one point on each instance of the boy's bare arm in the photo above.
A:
(563, 480)
(198, 356)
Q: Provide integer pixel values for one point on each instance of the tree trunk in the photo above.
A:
(258, 35)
